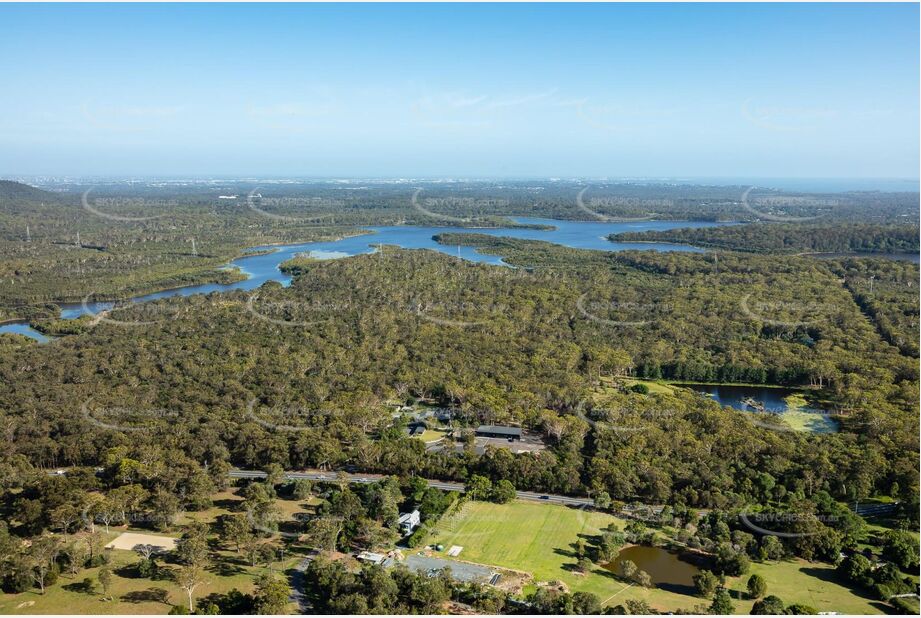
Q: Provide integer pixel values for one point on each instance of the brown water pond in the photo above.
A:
(668, 570)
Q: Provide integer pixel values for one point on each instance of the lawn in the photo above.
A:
(812, 583)
(654, 387)
(537, 538)
(430, 435)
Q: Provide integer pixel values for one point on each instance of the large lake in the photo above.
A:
(261, 268)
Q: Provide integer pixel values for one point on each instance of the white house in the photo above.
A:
(409, 522)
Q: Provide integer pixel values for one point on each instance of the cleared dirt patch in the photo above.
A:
(130, 540)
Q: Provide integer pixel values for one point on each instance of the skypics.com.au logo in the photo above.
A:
(774, 207)
(621, 313)
(306, 314)
(258, 204)
(126, 419)
(129, 312)
(784, 525)
(104, 206)
(616, 203)
(464, 204)
(789, 314)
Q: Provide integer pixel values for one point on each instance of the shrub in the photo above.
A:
(146, 568)
(722, 603)
(801, 609)
(757, 587)
(769, 605)
(705, 582)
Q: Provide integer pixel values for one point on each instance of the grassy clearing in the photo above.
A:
(136, 595)
(798, 581)
(799, 420)
(131, 594)
(224, 503)
(538, 538)
(654, 387)
(430, 435)
(227, 502)
(798, 417)
(610, 385)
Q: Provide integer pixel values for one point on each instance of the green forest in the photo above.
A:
(166, 397)
(794, 237)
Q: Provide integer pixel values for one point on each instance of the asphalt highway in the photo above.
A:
(319, 475)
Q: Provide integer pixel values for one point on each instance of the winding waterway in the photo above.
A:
(261, 268)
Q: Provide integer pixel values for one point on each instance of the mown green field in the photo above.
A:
(537, 538)
(812, 583)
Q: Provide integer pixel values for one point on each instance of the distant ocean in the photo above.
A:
(819, 185)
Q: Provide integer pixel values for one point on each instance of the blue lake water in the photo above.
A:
(262, 268)
(20, 328)
(774, 401)
(733, 396)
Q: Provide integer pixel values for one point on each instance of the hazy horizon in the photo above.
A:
(806, 184)
(490, 91)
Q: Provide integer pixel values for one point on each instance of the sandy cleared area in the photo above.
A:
(130, 540)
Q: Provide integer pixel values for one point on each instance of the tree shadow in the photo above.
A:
(168, 557)
(829, 575)
(128, 571)
(590, 539)
(151, 595)
(564, 552)
(228, 505)
(83, 587)
(573, 568)
(227, 568)
(609, 574)
(677, 588)
(238, 560)
(700, 560)
(231, 602)
(165, 575)
(291, 526)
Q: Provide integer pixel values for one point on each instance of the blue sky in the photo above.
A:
(461, 90)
